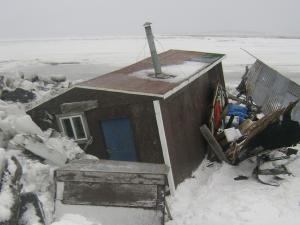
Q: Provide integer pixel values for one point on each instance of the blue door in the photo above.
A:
(118, 137)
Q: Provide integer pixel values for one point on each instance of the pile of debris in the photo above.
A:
(25, 89)
(28, 158)
(257, 122)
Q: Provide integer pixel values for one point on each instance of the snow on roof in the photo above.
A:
(173, 73)
(185, 66)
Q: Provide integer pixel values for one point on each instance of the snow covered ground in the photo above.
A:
(211, 196)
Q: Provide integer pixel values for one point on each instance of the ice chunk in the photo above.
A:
(21, 124)
(6, 201)
(64, 146)
(24, 124)
(58, 78)
(11, 109)
(37, 147)
(27, 85)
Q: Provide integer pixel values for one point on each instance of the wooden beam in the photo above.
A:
(215, 146)
(83, 106)
(164, 145)
(109, 177)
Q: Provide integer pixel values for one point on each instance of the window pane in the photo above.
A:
(68, 127)
(78, 126)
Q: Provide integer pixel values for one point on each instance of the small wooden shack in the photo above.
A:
(131, 115)
(112, 192)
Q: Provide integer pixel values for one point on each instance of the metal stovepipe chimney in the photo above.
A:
(154, 56)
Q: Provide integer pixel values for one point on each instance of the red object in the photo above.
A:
(217, 114)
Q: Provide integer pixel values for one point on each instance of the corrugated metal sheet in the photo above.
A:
(271, 90)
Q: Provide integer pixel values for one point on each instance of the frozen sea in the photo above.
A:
(86, 58)
(211, 196)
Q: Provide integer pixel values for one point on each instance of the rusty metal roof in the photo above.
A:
(132, 79)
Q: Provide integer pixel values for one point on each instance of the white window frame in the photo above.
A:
(83, 122)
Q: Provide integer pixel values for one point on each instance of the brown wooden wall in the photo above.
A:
(183, 113)
(139, 109)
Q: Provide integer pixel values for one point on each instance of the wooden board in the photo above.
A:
(82, 106)
(107, 194)
(107, 177)
(115, 167)
(215, 146)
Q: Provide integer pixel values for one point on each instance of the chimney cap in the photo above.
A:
(147, 24)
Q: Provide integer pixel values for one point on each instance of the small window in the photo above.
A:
(73, 127)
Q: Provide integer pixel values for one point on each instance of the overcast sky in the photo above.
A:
(88, 18)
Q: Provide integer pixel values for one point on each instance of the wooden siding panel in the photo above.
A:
(183, 114)
(114, 166)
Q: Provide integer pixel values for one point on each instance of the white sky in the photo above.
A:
(87, 18)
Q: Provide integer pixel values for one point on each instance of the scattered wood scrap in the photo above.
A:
(273, 131)
(238, 130)
(214, 145)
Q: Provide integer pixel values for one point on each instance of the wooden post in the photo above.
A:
(215, 146)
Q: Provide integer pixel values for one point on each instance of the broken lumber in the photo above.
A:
(214, 145)
(259, 137)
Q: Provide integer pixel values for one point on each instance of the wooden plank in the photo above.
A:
(115, 167)
(82, 106)
(164, 145)
(213, 143)
(107, 177)
(104, 194)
